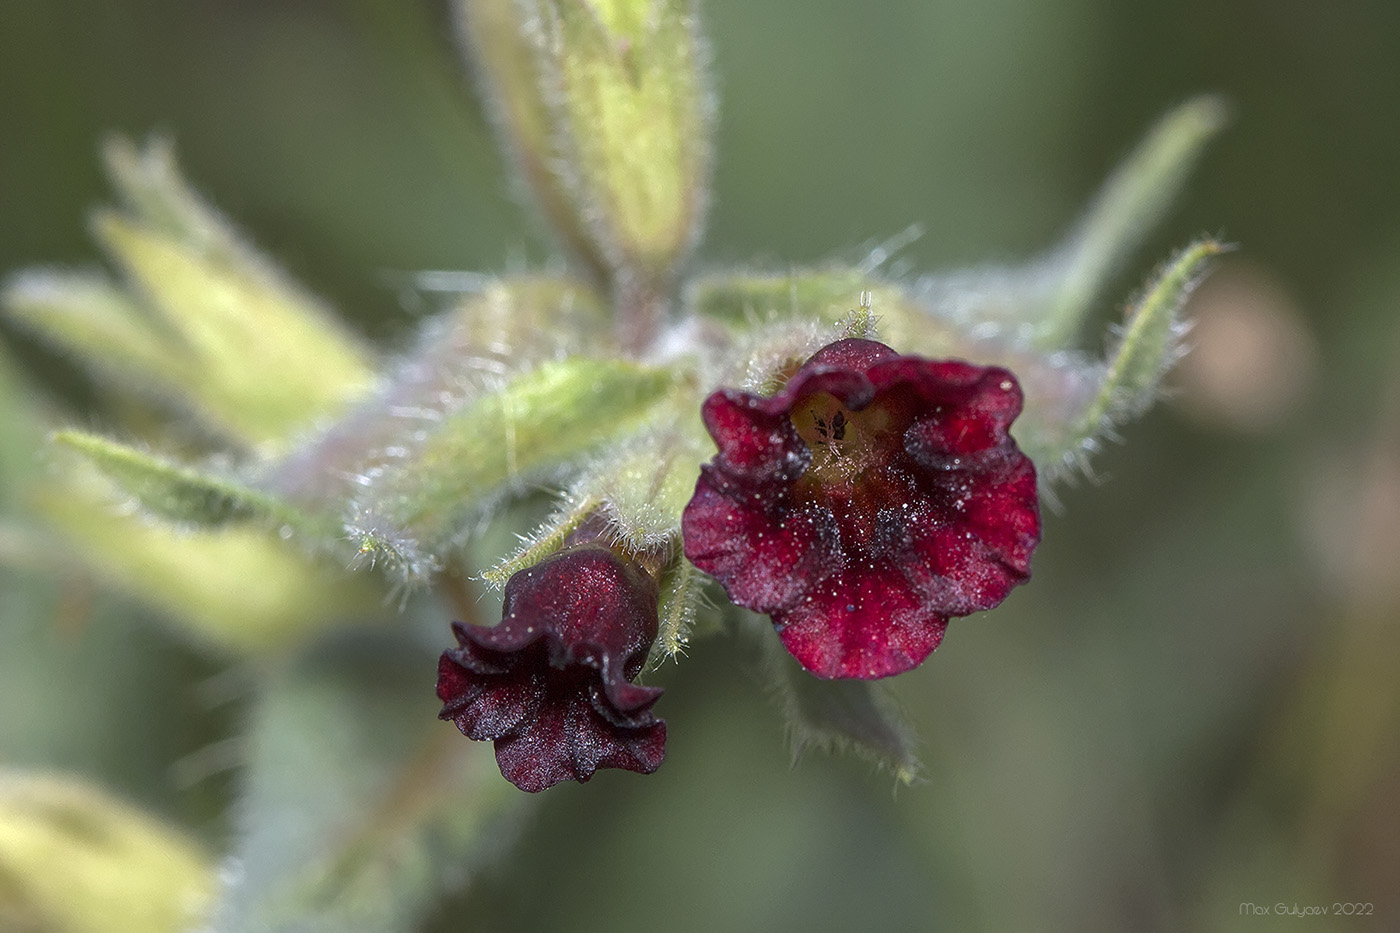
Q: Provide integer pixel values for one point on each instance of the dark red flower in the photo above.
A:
(871, 499)
(551, 684)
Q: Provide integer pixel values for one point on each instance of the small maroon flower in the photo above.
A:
(860, 507)
(551, 684)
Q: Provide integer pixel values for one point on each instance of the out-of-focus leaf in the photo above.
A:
(608, 108)
(157, 197)
(261, 365)
(174, 492)
(1041, 306)
(74, 859)
(1131, 203)
(149, 182)
(360, 807)
(626, 82)
(239, 587)
(510, 74)
(87, 315)
(208, 323)
(858, 716)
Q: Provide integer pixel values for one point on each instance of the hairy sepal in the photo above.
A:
(184, 494)
(857, 716)
(1042, 306)
(411, 510)
(682, 598)
(1141, 351)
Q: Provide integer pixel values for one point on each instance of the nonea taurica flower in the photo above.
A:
(551, 684)
(865, 503)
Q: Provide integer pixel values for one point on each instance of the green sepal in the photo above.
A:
(1073, 402)
(855, 301)
(546, 540)
(180, 493)
(360, 808)
(857, 716)
(74, 858)
(681, 599)
(416, 507)
(1131, 203)
(1149, 340)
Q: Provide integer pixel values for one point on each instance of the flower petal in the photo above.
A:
(551, 684)
(869, 500)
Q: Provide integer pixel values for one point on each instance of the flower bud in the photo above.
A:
(551, 685)
(609, 112)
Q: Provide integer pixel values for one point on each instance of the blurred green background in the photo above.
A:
(1195, 703)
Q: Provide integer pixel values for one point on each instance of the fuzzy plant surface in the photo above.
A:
(835, 462)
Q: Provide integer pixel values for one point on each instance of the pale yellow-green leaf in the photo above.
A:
(75, 859)
(630, 98)
(258, 363)
(87, 315)
(508, 67)
(149, 182)
(239, 588)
